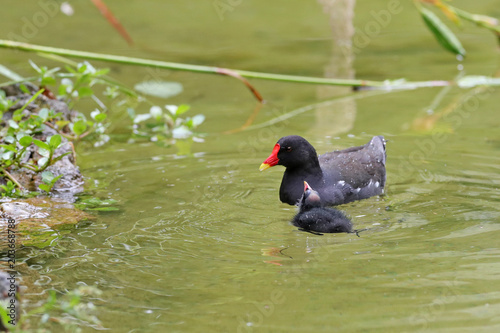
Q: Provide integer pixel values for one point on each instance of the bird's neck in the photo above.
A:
(311, 171)
(292, 185)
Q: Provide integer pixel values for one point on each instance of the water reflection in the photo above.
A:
(339, 119)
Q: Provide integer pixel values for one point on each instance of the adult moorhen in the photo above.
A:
(312, 217)
(339, 176)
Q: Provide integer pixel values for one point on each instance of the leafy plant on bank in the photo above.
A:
(23, 143)
(18, 136)
(78, 83)
(22, 140)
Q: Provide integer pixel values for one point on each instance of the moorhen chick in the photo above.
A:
(313, 217)
(339, 176)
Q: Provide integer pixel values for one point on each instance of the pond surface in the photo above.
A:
(202, 242)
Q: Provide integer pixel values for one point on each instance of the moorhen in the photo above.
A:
(312, 217)
(339, 176)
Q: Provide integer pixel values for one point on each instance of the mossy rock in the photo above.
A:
(39, 221)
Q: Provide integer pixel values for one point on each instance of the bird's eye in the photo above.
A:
(288, 149)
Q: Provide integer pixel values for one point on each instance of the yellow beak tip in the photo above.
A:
(264, 166)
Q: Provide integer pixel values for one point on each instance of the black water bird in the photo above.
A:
(339, 176)
(313, 217)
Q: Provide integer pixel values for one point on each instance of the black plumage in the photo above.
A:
(313, 217)
(339, 176)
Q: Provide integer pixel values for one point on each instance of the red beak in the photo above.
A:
(306, 186)
(272, 160)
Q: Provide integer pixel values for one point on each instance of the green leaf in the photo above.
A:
(100, 117)
(183, 108)
(13, 124)
(62, 90)
(172, 109)
(54, 160)
(55, 116)
(17, 115)
(443, 34)
(85, 92)
(55, 141)
(162, 89)
(10, 74)
(41, 162)
(44, 152)
(82, 67)
(62, 123)
(103, 71)
(52, 70)
(47, 177)
(24, 89)
(70, 69)
(141, 117)
(156, 111)
(43, 113)
(94, 113)
(56, 179)
(48, 80)
(7, 155)
(198, 120)
(181, 132)
(111, 92)
(9, 147)
(83, 80)
(45, 187)
(35, 96)
(25, 141)
(41, 144)
(35, 67)
(79, 127)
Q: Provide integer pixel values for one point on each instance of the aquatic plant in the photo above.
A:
(445, 37)
(163, 123)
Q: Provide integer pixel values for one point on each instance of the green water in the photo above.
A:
(202, 243)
